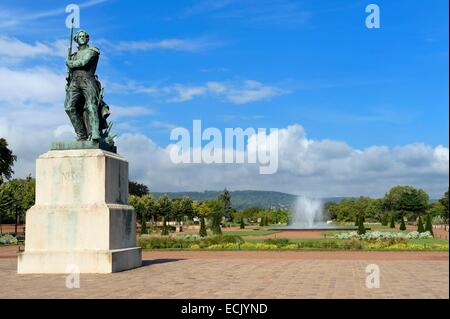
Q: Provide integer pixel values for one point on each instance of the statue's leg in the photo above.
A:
(90, 92)
(72, 96)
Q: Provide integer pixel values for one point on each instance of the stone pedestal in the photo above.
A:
(81, 218)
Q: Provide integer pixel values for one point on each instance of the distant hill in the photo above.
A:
(245, 199)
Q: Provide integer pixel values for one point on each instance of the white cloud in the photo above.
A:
(244, 92)
(64, 131)
(39, 85)
(169, 44)
(252, 91)
(15, 48)
(186, 93)
(174, 44)
(130, 111)
(163, 125)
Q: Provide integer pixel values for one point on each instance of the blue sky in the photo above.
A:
(257, 64)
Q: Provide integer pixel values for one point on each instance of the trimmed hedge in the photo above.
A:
(279, 242)
(181, 243)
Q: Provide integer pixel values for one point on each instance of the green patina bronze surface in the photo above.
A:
(84, 102)
(77, 145)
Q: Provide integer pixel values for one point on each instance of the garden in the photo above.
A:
(342, 240)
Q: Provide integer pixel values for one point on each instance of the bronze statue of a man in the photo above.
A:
(84, 104)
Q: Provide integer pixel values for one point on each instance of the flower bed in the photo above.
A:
(8, 240)
(376, 235)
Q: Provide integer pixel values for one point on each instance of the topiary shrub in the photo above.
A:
(202, 232)
(392, 225)
(361, 228)
(402, 224)
(215, 226)
(165, 229)
(242, 225)
(261, 222)
(385, 220)
(357, 221)
(420, 227)
(428, 225)
(144, 229)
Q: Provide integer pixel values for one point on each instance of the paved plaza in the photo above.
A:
(246, 275)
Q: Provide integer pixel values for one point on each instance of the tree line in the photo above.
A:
(400, 203)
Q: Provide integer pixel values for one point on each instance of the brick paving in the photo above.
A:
(243, 275)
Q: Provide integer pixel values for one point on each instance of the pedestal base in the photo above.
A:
(54, 262)
(81, 220)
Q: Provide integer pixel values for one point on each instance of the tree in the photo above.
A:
(357, 220)
(420, 228)
(7, 159)
(406, 200)
(150, 207)
(136, 202)
(225, 200)
(251, 213)
(183, 208)
(276, 216)
(202, 210)
(137, 189)
(436, 209)
(242, 225)
(144, 229)
(374, 209)
(361, 228)
(16, 197)
(428, 225)
(166, 210)
(444, 202)
(145, 206)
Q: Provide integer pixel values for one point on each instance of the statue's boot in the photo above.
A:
(94, 122)
(77, 124)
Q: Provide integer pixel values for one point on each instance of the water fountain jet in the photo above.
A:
(308, 215)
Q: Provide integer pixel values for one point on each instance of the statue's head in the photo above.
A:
(81, 37)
